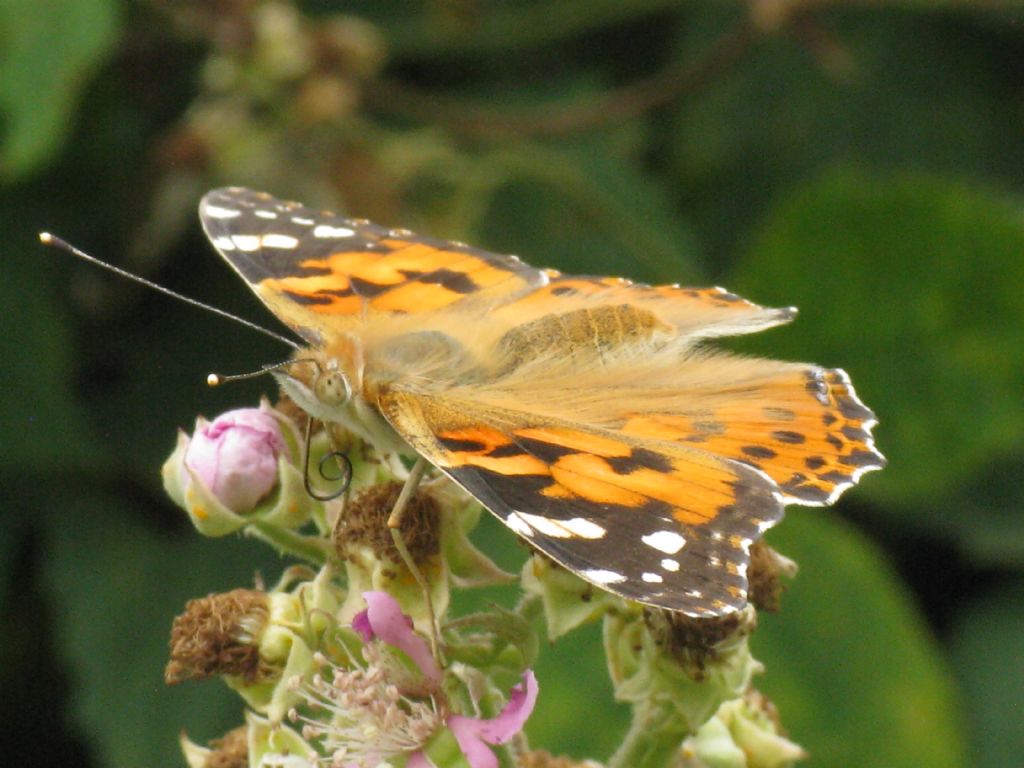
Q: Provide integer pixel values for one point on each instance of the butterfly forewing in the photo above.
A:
(318, 271)
(652, 521)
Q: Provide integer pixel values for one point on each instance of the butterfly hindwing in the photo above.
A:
(651, 521)
(803, 426)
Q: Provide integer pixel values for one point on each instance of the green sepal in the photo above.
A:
(569, 602)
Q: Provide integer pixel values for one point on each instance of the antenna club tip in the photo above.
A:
(45, 238)
(214, 380)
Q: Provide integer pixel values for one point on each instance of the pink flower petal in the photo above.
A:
(419, 760)
(235, 456)
(388, 623)
(361, 625)
(514, 714)
(473, 734)
(467, 733)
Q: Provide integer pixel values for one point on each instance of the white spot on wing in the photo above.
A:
(544, 525)
(217, 212)
(265, 214)
(326, 231)
(303, 221)
(601, 576)
(670, 565)
(247, 242)
(584, 529)
(576, 527)
(668, 542)
(651, 578)
(279, 241)
(224, 243)
(516, 522)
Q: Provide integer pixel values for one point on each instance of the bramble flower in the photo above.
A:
(237, 469)
(236, 455)
(256, 641)
(389, 709)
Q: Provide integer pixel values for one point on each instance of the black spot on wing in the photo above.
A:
(506, 450)
(308, 299)
(459, 282)
(639, 458)
(789, 437)
(547, 452)
(368, 289)
(460, 445)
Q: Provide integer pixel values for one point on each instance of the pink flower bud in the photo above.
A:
(236, 455)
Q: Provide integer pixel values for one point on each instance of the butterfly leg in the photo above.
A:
(394, 524)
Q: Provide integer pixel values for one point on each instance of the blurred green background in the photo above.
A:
(861, 160)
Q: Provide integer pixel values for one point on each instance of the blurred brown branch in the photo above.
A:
(560, 119)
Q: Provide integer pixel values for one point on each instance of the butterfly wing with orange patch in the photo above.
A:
(321, 273)
(803, 426)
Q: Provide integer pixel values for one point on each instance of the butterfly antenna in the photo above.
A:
(52, 240)
(216, 379)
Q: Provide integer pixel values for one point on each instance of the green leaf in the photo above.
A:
(913, 284)
(988, 648)
(117, 586)
(48, 51)
(857, 677)
(859, 88)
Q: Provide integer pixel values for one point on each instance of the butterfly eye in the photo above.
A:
(331, 388)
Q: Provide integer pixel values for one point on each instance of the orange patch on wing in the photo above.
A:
(415, 297)
(587, 477)
(557, 492)
(596, 480)
(523, 464)
(660, 427)
(489, 440)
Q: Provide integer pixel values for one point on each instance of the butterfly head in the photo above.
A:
(319, 386)
(327, 387)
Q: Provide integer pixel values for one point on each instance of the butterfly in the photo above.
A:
(589, 414)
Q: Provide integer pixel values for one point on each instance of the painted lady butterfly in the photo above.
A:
(585, 412)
